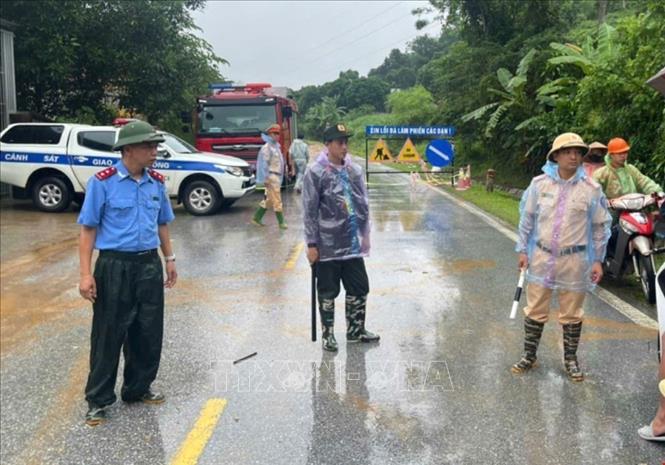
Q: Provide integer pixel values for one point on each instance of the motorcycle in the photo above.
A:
(634, 241)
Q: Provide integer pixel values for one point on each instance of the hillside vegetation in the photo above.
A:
(512, 74)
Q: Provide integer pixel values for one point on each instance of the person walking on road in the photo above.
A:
(270, 172)
(563, 231)
(125, 216)
(337, 231)
(299, 152)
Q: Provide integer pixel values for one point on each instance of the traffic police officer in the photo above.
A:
(125, 216)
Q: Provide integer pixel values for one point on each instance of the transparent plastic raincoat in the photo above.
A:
(269, 161)
(564, 228)
(336, 209)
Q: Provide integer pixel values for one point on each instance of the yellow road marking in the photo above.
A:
(198, 437)
(294, 256)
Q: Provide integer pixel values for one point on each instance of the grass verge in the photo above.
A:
(499, 204)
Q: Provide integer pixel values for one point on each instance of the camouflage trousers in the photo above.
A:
(353, 275)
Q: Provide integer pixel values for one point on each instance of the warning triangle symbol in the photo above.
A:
(381, 152)
(408, 154)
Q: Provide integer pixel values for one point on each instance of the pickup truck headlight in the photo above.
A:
(234, 170)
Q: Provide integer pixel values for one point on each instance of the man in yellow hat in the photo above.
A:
(270, 172)
(563, 232)
(618, 177)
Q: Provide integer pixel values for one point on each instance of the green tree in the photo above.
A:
(412, 106)
(86, 60)
(512, 97)
(321, 115)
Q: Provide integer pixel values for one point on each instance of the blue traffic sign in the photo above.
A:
(440, 153)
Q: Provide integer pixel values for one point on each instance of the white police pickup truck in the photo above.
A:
(52, 162)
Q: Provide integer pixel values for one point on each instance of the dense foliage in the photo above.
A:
(85, 61)
(512, 74)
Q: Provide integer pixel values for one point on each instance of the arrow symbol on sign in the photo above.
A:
(439, 153)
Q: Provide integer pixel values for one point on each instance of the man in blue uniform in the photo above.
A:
(125, 216)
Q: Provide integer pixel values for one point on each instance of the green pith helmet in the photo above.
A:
(137, 132)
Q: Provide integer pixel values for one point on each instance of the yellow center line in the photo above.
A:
(198, 437)
(294, 256)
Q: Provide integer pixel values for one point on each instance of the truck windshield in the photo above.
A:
(177, 145)
(235, 119)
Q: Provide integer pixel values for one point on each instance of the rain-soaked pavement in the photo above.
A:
(436, 390)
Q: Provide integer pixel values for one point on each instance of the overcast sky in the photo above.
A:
(298, 43)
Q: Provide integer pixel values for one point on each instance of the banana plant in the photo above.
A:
(587, 58)
(512, 95)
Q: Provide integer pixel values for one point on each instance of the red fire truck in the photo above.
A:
(231, 118)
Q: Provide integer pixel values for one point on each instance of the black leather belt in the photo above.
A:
(565, 251)
(143, 255)
(275, 172)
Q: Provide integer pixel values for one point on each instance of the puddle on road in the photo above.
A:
(467, 265)
(25, 305)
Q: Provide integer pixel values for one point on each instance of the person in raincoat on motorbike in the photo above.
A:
(563, 231)
(618, 177)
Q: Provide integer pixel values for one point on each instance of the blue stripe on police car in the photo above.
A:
(79, 160)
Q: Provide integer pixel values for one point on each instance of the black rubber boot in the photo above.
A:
(571, 340)
(533, 330)
(327, 312)
(95, 416)
(355, 320)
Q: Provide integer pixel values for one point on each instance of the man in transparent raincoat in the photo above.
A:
(336, 219)
(300, 155)
(563, 232)
(270, 172)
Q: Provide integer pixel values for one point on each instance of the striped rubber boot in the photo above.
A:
(327, 312)
(571, 340)
(532, 332)
(355, 320)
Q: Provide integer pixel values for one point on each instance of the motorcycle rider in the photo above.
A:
(618, 177)
(563, 231)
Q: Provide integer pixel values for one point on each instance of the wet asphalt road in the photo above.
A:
(436, 390)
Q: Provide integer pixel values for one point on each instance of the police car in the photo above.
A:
(52, 162)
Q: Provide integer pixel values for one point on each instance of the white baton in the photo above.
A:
(518, 294)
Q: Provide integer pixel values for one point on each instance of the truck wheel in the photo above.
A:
(51, 194)
(201, 198)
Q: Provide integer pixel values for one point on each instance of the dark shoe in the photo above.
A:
(363, 336)
(524, 365)
(95, 416)
(329, 342)
(573, 370)
(149, 397)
